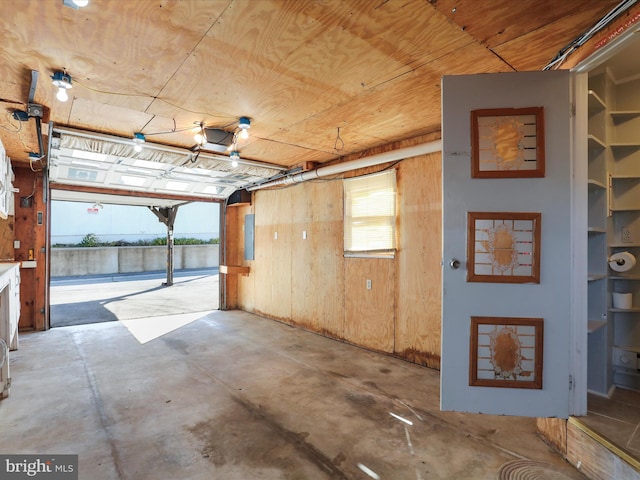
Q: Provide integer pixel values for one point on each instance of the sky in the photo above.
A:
(71, 221)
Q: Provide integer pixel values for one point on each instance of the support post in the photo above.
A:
(169, 281)
(167, 215)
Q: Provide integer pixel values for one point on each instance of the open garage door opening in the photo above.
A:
(128, 263)
(95, 178)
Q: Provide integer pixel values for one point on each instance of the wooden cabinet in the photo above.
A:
(6, 187)
(9, 317)
(9, 303)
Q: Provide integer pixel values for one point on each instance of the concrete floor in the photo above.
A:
(230, 395)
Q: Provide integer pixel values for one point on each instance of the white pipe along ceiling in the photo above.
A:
(378, 159)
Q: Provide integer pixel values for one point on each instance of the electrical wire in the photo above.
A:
(35, 184)
(144, 95)
(177, 130)
(31, 160)
(564, 53)
(16, 128)
(338, 139)
(26, 147)
(185, 129)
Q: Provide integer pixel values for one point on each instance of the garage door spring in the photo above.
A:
(5, 351)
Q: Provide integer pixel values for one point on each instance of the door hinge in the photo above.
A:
(570, 382)
(572, 110)
(7, 385)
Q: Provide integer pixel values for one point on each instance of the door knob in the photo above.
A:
(454, 263)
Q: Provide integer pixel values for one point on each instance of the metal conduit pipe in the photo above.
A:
(392, 156)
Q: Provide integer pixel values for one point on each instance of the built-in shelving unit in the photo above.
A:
(614, 226)
(599, 369)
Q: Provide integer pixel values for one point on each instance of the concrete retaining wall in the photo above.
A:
(67, 262)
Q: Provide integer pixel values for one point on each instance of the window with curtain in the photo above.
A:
(370, 213)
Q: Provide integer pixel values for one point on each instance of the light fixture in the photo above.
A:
(62, 80)
(200, 137)
(138, 139)
(235, 156)
(244, 124)
(217, 140)
(75, 4)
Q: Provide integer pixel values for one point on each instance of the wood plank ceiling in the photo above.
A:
(300, 69)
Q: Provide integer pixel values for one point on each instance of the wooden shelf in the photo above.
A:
(595, 142)
(596, 230)
(234, 269)
(595, 276)
(625, 310)
(596, 104)
(625, 209)
(596, 185)
(625, 177)
(595, 325)
(624, 277)
(629, 349)
(623, 145)
(624, 113)
(624, 245)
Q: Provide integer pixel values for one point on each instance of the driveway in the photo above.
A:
(106, 298)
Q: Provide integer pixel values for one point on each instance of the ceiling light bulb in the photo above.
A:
(62, 94)
(244, 124)
(138, 140)
(235, 156)
(75, 4)
(62, 80)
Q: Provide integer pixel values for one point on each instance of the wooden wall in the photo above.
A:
(31, 236)
(234, 228)
(309, 283)
(554, 430)
(419, 292)
(6, 238)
